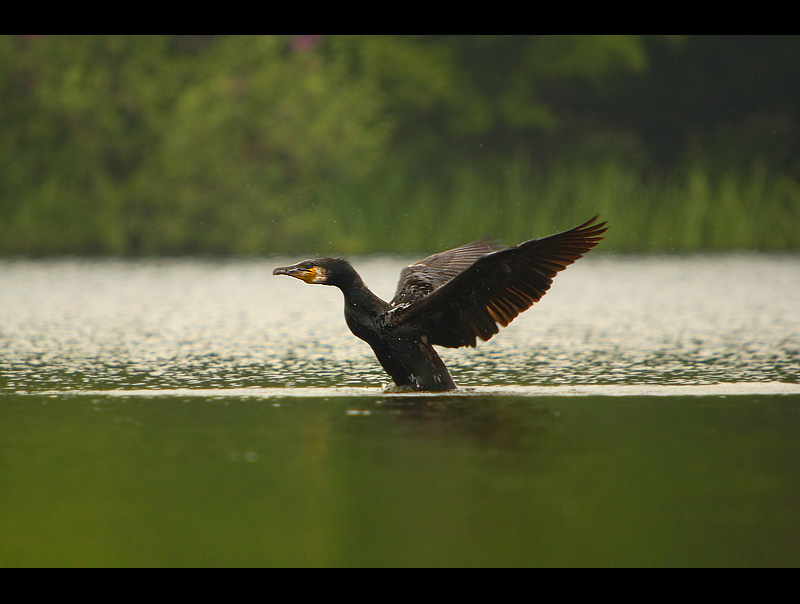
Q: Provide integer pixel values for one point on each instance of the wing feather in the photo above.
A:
(419, 279)
(492, 290)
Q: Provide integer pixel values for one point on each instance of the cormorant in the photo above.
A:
(448, 299)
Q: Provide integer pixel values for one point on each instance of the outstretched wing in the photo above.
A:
(495, 288)
(421, 278)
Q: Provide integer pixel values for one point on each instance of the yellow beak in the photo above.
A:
(304, 274)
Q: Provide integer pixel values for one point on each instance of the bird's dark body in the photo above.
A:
(449, 299)
(402, 351)
(412, 363)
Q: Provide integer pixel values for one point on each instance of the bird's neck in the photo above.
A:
(358, 296)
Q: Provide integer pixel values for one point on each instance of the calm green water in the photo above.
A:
(179, 413)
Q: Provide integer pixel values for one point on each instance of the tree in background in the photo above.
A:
(255, 144)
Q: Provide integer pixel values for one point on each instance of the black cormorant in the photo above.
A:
(448, 299)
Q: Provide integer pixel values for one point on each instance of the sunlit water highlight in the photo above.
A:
(740, 389)
(167, 324)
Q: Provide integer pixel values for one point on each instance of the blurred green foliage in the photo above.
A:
(353, 144)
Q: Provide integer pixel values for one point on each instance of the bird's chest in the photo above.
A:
(362, 322)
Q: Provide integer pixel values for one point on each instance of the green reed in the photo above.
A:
(689, 208)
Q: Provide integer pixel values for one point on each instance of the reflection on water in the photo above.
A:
(96, 480)
(166, 324)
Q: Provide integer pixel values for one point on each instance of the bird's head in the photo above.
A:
(324, 271)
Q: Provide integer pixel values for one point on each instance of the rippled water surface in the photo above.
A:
(176, 324)
(187, 412)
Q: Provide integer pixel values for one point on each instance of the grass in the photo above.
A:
(688, 209)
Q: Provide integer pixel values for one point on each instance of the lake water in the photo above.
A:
(186, 412)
